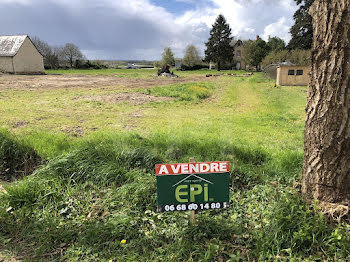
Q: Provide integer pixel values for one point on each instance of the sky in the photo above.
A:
(141, 29)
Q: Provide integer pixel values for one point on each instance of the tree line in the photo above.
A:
(191, 60)
(219, 48)
(257, 53)
(66, 56)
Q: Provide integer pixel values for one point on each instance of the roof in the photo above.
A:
(9, 45)
(240, 42)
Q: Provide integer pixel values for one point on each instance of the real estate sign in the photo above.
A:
(192, 186)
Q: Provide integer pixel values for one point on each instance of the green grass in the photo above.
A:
(93, 191)
(132, 73)
(184, 92)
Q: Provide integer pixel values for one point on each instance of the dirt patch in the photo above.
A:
(85, 81)
(74, 131)
(20, 124)
(136, 115)
(132, 98)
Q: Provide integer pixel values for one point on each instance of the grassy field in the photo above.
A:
(79, 165)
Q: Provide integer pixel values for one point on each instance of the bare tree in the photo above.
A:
(43, 47)
(71, 53)
(326, 172)
(58, 51)
(50, 59)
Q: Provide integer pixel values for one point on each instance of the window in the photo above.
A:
(238, 53)
(291, 72)
(300, 72)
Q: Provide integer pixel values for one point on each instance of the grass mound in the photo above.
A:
(88, 201)
(16, 158)
(184, 92)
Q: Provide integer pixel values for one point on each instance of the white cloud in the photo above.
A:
(138, 29)
(279, 28)
(247, 18)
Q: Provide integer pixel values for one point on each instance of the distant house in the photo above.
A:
(238, 54)
(292, 75)
(132, 66)
(211, 65)
(18, 55)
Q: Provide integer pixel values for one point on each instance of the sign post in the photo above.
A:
(192, 186)
(192, 212)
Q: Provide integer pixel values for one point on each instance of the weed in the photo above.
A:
(291, 228)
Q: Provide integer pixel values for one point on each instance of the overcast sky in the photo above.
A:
(140, 29)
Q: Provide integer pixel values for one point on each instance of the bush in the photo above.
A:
(298, 57)
(192, 68)
(79, 64)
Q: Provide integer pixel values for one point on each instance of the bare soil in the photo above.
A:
(132, 98)
(20, 124)
(84, 81)
(74, 131)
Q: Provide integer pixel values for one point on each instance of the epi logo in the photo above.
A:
(188, 193)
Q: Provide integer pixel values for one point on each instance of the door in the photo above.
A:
(238, 65)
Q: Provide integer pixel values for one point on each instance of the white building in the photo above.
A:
(18, 55)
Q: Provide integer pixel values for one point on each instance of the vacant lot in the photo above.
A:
(78, 102)
(93, 138)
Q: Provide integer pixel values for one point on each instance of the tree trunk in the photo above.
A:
(219, 66)
(326, 170)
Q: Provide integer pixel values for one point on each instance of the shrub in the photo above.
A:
(298, 57)
(192, 68)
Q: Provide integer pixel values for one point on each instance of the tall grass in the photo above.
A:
(186, 92)
(102, 190)
(17, 159)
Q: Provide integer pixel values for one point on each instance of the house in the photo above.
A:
(292, 75)
(18, 55)
(238, 54)
(271, 70)
(211, 65)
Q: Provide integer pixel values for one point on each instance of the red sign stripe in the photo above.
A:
(192, 168)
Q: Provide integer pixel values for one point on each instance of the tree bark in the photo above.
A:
(326, 170)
